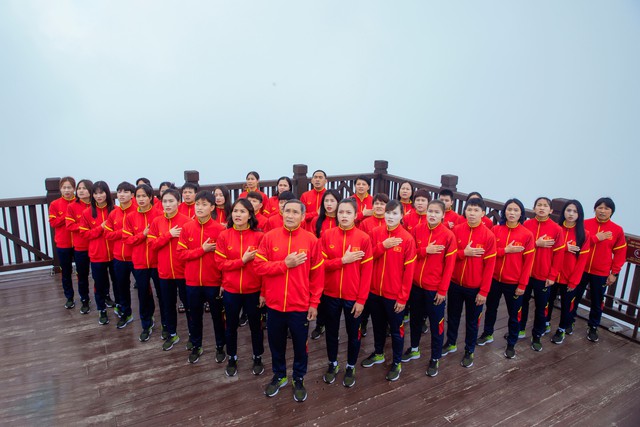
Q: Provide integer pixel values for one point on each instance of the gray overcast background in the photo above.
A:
(517, 98)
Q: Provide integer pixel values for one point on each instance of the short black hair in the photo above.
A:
(319, 170)
(446, 192)
(381, 197)
(476, 202)
(286, 195)
(206, 195)
(126, 186)
(195, 187)
(607, 201)
(255, 195)
(144, 181)
(173, 192)
(422, 192)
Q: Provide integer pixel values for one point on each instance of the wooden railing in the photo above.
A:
(26, 240)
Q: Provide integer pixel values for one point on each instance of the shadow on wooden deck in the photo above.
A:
(61, 368)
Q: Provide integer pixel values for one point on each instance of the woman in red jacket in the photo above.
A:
(235, 252)
(348, 265)
(80, 245)
(394, 254)
(283, 184)
(92, 229)
(253, 184)
(405, 195)
(515, 248)
(145, 260)
(163, 234)
(575, 258)
(223, 205)
(63, 237)
(363, 198)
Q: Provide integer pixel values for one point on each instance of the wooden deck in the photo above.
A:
(61, 368)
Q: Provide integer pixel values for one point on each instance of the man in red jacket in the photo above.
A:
(290, 260)
(312, 198)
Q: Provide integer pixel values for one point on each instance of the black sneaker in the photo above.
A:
(85, 308)
(124, 321)
(330, 376)
(232, 367)
(244, 319)
(349, 377)
(299, 392)
(363, 329)
(170, 342)
(189, 345)
(103, 319)
(181, 308)
(592, 334)
(164, 334)
(510, 352)
(467, 360)
(409, 354)
(69, 304)
(317, 332)
(569, 330)
(432, 370)
(221, 355)
(558, 337)
(425, 326)
(258, 367)
(536, 345)
(108, 301)
(195, 355)
(145, 335)
(275, 385)
(394, 372)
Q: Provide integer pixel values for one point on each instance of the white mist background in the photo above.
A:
(516, 98)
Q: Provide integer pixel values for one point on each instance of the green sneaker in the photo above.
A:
(232, 367)
(394, 372)
(221, 355)
(467, 360)
(69, 304)
(432, 370)
(536, 345)
(510, 352)
(330, 376)
(410, 355)
(109, 302)
(558, 337)
(258, 367)
(317, 332)
(485, 338)
(299, 392)
(146, 334)
(406, 319)
(195, 355)
(547, 329)
(275, 385)
(522, 334)
(189, 345)
(373, 359)
(170, 342)
(449, 348)
(349, 377)
(103, 319)
(117, 311)
(85, 308)
(164, 334)
(124, 321)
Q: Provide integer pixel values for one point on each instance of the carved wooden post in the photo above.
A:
(52, 186)
(300, 180)
(450, 182)
(380, 181)
(192, 177)
(556, 206)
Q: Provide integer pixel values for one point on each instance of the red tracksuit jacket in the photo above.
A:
(451, 219)
(413, 219)
(274, 221)
(187, 209)
(142, 255)
(312, 200)
(57, 220)
(608, 256)
(100, 249)
(573, 265)
(327, 224)
(365, 203)
(72, 220)
(485, 221)
(393, 268)
(408, 207)
(114, 226)
(433, 271)
(200, 267)
(547, 262)
(368, 224)
(351, 281)
(221, 217)
(238, 277)
(474, 272)
(166, 246)
(290, 289)
(514, 268)
(266, 208)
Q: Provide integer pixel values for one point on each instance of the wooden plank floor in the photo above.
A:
(61, 368)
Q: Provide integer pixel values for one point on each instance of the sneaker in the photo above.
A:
(124, 321)
(449, 348)
(232, 367)
(510, 352)
(363, 329)
(485, 338)
(330, 376)
(373, 359)
(117, 311)
(467, 360)
(221, 355)
(406, 319)
(244, 319)
(569, 330)
(164, 334)
(258, 367)
(103, 319)
(394, 372)
(432, 370)
(195, 354)
(522, 334)
(275, 385)
(592, 334)
(108, 301)
(349, 377)
(536, 345)
(299, 392)
(547, 329)
(69, 304)
(170, 342)
(85, 308)
(145, 335)
(425, 327)
(558, 338)
(410, 355)
(189, 345)
(317, 332)
(181, 308)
